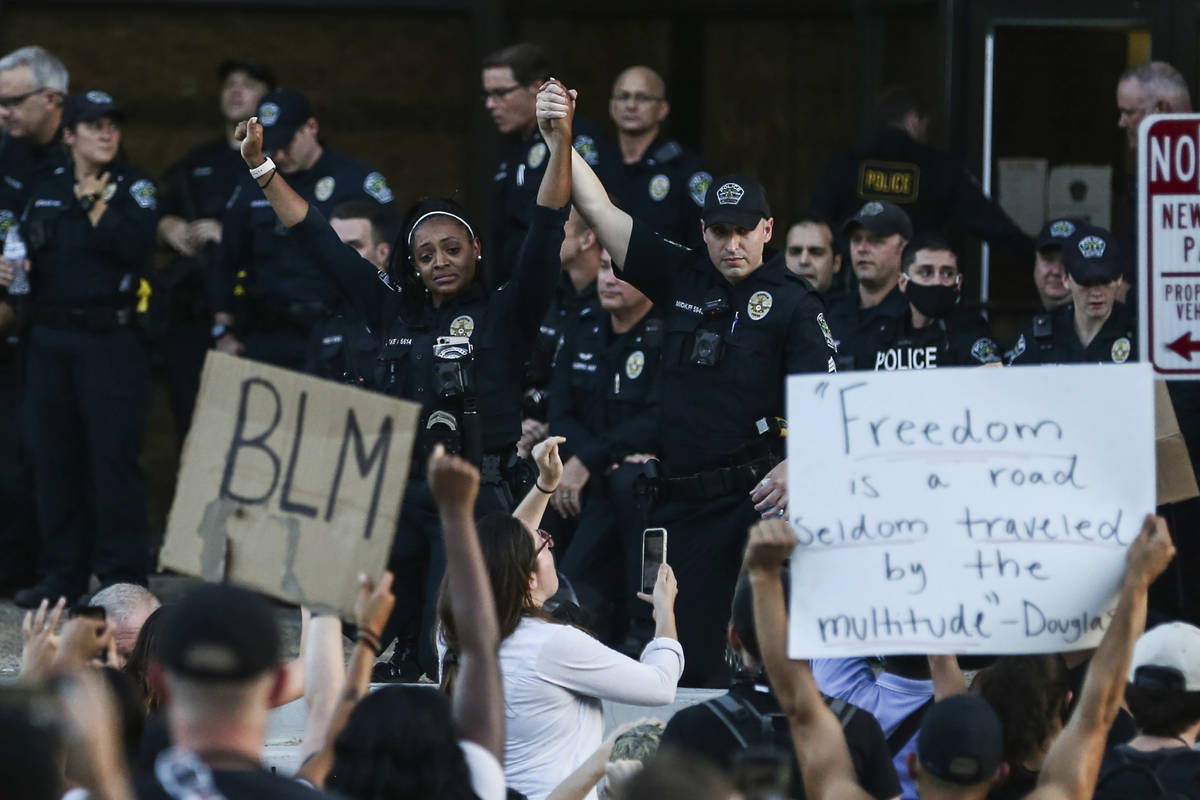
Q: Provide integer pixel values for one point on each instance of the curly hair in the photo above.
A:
(400, 744)
(1029, 694)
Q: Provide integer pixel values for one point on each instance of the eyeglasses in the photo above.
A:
(639, 98)
(498, 94)
(17, 99)
(547, 541)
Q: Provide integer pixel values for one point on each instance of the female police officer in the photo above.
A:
(448, 343)
(90, 229)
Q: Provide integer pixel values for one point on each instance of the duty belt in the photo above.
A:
(718, 482)
(93, 319)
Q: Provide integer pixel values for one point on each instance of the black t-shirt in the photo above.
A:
(698, 729)
(240, 784)
(1126, 774)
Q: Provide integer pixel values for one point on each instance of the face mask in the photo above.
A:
(933, 301)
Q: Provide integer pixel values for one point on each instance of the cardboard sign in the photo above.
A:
(1169, 244)
(964, 510)
(288, 484)
(1176, 478)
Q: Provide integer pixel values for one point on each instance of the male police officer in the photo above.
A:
(604, 400)
(935, 330)
(877, 234)
(896, 166)
(810, 253)
(342, 347)
(511, 77)
(660, 182)
(287, 292)
(197, 189)
(734, 328)
(1048, 274)
(1093, 327)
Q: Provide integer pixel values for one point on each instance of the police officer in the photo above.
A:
(1093, 327)
(343, 347)
(810, 252)
(936, 330)
(877, 234)
(90, 230)
(604, 400)
(734, 328)
(1049, 277)
(196, 190)
(285, 290)
(511, 78)
(33, 83)
(933, 188)
(659, 181)
(448, 344)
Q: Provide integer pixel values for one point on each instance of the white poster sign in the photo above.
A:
(964, 510)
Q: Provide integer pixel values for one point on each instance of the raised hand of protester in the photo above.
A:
(1150, 553)
(94, 756)
(453, 482)
(771, 543)
(555, 112)
(374, 603)
(549, 462)
(568, 500)
(40, 639)
(770, 495)
(250, 134)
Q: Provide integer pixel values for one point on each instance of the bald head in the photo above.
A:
(639, 101)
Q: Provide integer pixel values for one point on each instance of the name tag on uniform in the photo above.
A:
(891, 181)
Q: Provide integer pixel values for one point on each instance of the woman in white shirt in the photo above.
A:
(555, 675)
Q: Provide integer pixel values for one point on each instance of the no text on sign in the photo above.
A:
(1169, 243)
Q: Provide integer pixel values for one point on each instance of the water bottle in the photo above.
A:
(14, 251)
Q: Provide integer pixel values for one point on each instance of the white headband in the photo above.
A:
(429, 214)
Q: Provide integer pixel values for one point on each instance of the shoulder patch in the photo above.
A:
(828, 334)
(1121, 349)
(669, 151)
(698, 187)
(985, 351)
(144, 193)
(891, 181)
(1018, 348)
(324, 188)
(586, 147)
(660, 186)
(376, 186)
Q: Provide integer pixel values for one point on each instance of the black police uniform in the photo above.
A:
(932, 187)
(515, 187)
(1051, 339)
(287, 291)
(343, 348)
(88, 380)
(723, 376)
(961, 339)
(605, 401)
(665, 189)
(501, 326)
(198, 187)
(22, 164)
(568, 310)
(722, 728)
(856, 329)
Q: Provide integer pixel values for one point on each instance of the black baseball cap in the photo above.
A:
(1056, 232)
(220, 633)
(1092, 256)
(961, 740)
(252, 67)
(281, 113)
(735, 200)
(881, 219)
(90, 105)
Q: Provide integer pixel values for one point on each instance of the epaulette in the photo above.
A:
(668, 151)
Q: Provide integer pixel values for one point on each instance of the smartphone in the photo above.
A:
(654, 553)
(91, 612)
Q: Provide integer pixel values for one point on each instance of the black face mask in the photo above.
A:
(935, 301)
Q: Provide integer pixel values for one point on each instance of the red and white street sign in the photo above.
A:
(1169, 243)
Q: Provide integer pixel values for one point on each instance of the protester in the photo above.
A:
(126, 606)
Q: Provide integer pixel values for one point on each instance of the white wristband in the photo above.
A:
(262, 169)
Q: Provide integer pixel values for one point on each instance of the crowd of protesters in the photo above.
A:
(609, 357)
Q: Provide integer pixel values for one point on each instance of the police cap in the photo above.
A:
(1056, 232)
(90, 105)
(1091, 256)
(881, 219)
(281, 113)
(737, 200)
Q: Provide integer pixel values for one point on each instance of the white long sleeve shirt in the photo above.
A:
(554, 679)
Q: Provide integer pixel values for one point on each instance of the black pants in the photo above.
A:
(88, 394)
(418, 562)
(18, 520)
(185, 346)
(705, 540)
(283, 347)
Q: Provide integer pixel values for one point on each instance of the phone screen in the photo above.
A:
(654, 553)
